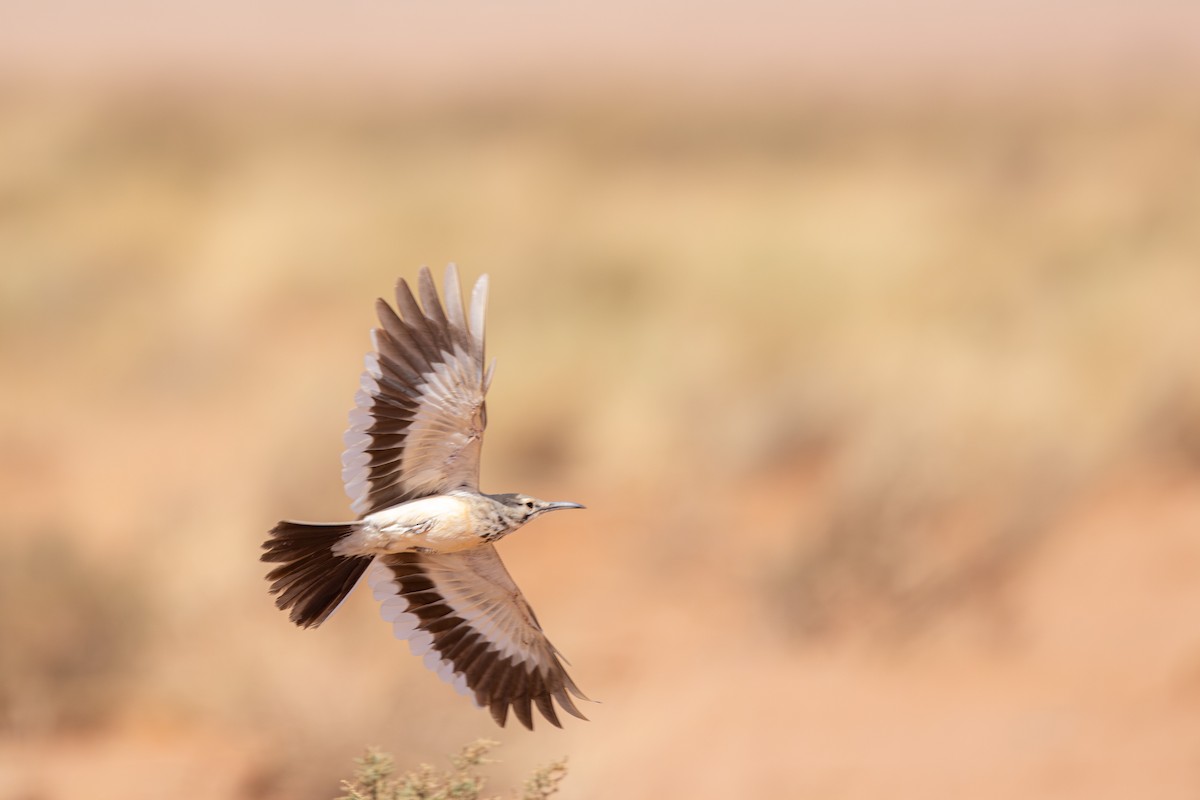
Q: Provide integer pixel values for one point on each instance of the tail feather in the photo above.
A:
(311, 579)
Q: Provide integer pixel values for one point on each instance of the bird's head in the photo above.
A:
(521, 507)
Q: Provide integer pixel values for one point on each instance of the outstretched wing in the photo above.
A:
(464, 614)
(419, 415)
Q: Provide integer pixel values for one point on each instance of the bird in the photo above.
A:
(425, 534)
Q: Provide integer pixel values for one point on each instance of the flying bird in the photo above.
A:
(425, 534)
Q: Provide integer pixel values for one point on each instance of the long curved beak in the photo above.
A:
(562, 504)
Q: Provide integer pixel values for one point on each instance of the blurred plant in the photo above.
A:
(903, 548)
(73, 629)
(373, 779)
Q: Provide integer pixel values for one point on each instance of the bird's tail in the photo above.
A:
(311, 579)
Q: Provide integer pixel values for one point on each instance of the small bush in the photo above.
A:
(373, 779)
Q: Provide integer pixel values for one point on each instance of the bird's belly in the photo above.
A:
(441, 524)
(443, 535)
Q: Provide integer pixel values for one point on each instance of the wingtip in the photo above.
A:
(545, 704)
(522, 708)
(499, 713)
(425, 284)
(479, 310)
(423, 273)
(482, 283)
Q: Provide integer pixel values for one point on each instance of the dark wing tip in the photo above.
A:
(522, 707)
(499, 711)
(522, 691)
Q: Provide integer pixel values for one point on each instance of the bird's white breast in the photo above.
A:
(441, 523)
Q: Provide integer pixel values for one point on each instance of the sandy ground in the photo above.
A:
(1087, 686)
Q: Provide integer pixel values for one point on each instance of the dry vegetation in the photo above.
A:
(375, 778)
(887, 417)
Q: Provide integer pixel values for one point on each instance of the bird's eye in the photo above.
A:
(529, 504)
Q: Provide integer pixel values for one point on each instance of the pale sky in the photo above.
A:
(463, 42)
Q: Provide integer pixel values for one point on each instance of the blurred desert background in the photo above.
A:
(867, 335)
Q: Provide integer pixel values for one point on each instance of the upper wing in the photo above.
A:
(419, 416)
(464, 614)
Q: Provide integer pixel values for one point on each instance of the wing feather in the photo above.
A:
(478, 309)
(419, 416)
(403, 348)
(443, 332)
(476, 630)
(422, 337)
(454, 305)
